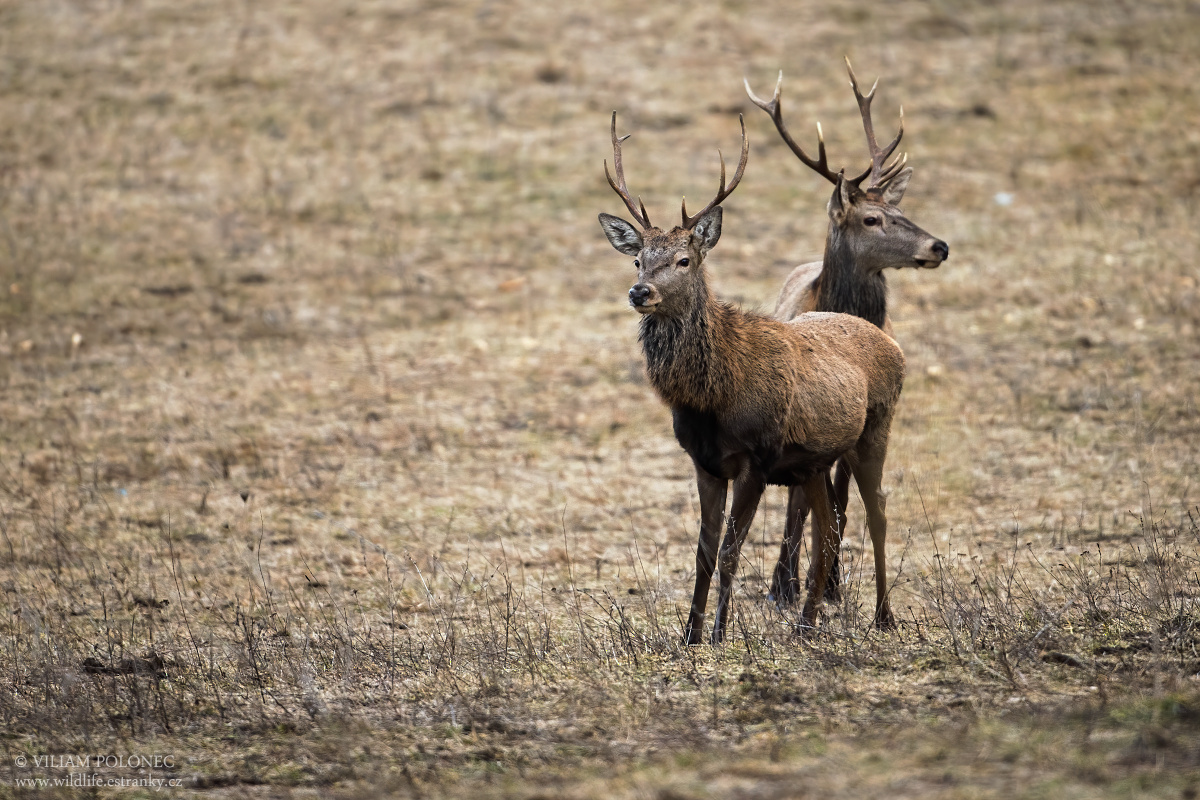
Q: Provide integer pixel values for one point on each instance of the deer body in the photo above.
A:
(756, 400)
(867, 234)
(805, 388)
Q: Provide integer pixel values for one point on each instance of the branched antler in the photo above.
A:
(722, 193)
(880, 171)
(640, 217)
(821, 164)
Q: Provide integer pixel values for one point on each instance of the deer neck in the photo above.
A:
(844, 287)
(691, 356)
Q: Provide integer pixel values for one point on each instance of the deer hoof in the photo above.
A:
(803, 631)
(808, 617)
(784, 593)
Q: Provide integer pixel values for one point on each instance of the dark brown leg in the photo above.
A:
(785, 583)
(868, 474)
(824, 541)
(747, 490)
(712, 515)
(841, 495)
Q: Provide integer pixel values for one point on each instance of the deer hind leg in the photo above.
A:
(841, 496)
(747, 490)
(824, 541)
(713, 491)
(868, 474)
(785, 583)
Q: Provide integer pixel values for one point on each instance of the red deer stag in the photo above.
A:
(867, 234)
(756, 401)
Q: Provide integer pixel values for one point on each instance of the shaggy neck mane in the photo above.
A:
(692, 358)
(838, 288)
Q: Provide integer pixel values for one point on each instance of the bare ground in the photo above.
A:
(327, 465)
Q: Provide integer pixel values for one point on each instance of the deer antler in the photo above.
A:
(640, 217)
(722, 193)
(880, 171)
(821, 164)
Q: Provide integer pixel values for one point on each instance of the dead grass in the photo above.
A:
(327, 465)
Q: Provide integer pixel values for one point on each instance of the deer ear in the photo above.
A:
(893, 191)
(621, 235)
(708, 230)
(840, 202)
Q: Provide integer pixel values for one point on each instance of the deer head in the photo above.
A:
(866, 222)
(668, 263)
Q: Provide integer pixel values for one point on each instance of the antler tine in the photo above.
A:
(723, 192)
(821, 164)
(878, 172)
(641, 218)
(893, 169)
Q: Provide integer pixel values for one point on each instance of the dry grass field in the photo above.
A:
(328, 467)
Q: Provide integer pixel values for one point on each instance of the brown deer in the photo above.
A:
(867, 234)
(756, 400)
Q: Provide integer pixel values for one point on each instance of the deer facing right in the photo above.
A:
(867, 234)
(755, 400)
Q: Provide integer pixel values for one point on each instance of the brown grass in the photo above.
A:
(327, 466)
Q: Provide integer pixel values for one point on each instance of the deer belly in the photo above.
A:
(724, 450)
(796, 464)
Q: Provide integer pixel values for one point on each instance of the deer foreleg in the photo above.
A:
(785, 583)
(747, 490)
(713, 491)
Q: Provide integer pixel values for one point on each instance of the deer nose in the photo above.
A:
(638, 294)
(942, 249)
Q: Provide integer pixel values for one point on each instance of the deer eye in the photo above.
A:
(683, 262)
(870, 221)
(637, 264)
